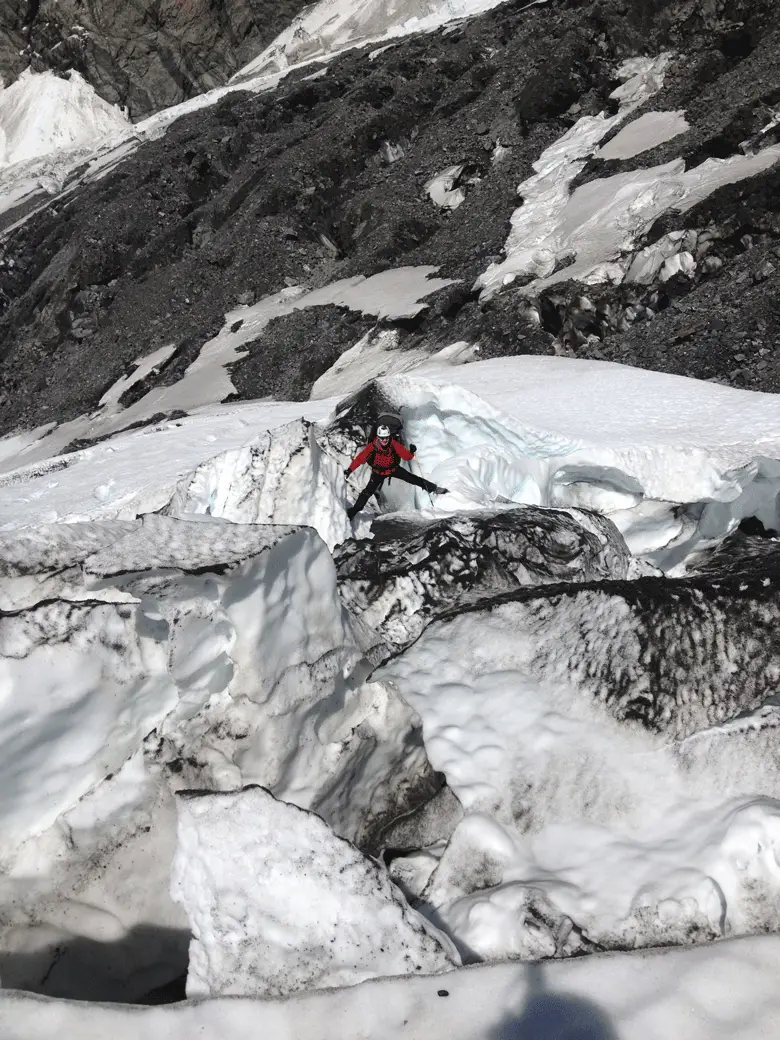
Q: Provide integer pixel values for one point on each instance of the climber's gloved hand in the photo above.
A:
(413, 449)
(347, 473)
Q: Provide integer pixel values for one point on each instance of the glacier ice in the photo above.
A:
(283, 476)
(607, 745)
(42, 113)
(412, 570)
(277, 903)
(141, 657)
(269, 678)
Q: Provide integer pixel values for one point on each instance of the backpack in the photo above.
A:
(394, 422)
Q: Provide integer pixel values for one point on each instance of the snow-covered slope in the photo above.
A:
(675, 463)
(41, 114)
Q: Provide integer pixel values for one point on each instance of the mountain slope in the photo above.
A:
(325, 178)
(139, 54)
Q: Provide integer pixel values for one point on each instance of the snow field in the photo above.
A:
(717, 992)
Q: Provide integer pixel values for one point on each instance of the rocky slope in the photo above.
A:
(140, 54)
(325, 178)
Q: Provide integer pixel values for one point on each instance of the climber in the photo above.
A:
(384, 454)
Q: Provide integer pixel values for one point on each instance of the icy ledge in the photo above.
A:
(674, 463)
(718, 992)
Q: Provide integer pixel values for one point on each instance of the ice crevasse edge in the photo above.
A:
(675, 463)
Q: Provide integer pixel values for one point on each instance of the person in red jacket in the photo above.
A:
(384, 455)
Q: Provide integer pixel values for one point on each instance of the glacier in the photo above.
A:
(251, 743)
(142, 657)
(256, 650)
(509, 431)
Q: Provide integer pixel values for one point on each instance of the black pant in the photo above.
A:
(376, 480)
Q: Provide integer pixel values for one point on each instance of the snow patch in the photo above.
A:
(537, 240)
(643, 133)
(600, 222)
(396, 293)
(142, 367)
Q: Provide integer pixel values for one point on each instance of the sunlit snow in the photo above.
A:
(43, 113)
(518, 430)
(330, 26)
(643, 133)
(598, 224)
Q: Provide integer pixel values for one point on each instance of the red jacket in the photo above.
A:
(384, 461)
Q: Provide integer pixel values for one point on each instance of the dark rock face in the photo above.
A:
(412, 570)
(13, 38)
(743, 556)
(298, 187)
(140, 54)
